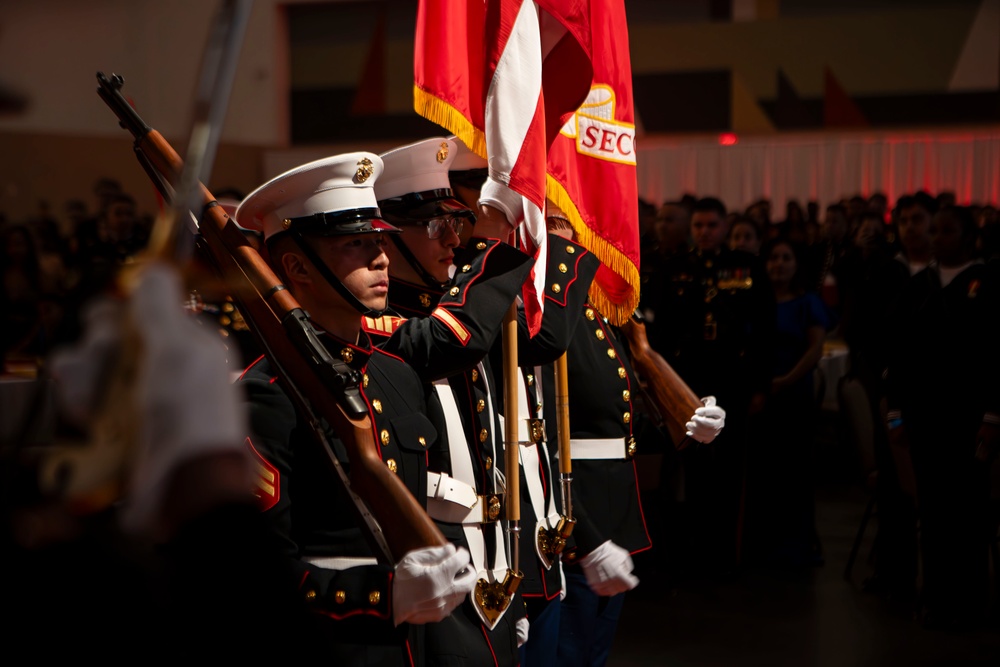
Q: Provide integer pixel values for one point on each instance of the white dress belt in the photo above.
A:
(454, 501)
(339, 562)
(598, 448)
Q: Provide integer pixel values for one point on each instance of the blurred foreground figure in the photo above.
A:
(142, 535)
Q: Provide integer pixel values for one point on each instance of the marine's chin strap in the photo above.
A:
(332, 279)
(411, 259)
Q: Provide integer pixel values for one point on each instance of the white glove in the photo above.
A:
(79, 370)
(522, 631)
(707, 422)
(187, 402)
(183, 401)
(430, 582)
(609, 570)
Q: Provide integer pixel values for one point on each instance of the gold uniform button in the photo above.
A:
(454, 291)
(384, 435)
(374, 597)
(538, 407)
(475, 375)
(627, 395)
(364, 380)
(556, 288)
(562, 268)
(310, 595)
(480, 246)
(340, 597)
(483, 435)
(531, 379)
(227, 307)
(466, 268)
(626, 417)
(599, 334)
(377, 404)
(611, 353)
(225, 321)
(570, 249)
(481, 405)
(489, 462)
(589, 313)
(347, 355)
(621, 372)
(425, 300)
(708, 263)
(391, 465)
(422, 441)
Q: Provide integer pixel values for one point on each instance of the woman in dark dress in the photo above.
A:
(781, 512)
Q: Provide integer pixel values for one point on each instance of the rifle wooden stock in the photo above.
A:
(671, 396)
(321, 385)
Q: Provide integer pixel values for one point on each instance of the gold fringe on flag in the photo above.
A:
(438, 111)
(617, 313)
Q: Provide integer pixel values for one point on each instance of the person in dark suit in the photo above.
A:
(944, 409)
(326, 240)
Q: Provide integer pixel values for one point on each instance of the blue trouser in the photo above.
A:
(543, 632)
(587, 623)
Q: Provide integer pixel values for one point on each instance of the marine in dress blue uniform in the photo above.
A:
(570, 268)
(350, 591)
(713, 323)
(605, 488)
(444, 326)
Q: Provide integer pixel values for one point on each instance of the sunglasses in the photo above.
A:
(436, 226)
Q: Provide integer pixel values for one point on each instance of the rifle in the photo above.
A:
(670, 395)
(322, 386)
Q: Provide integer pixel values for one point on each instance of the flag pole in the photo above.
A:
(511, 377)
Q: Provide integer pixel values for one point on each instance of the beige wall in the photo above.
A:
(66, 138)
(56, 169)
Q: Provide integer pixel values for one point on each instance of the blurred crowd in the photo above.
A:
(58, 259)
(909, 290)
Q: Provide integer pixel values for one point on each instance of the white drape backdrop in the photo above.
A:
(824, 167)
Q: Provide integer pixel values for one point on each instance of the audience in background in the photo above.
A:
(744, 235)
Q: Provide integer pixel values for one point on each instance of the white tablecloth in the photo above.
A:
(834, 365)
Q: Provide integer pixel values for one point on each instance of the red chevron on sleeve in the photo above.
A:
(384, 325)
(450, 321)
(267, 480)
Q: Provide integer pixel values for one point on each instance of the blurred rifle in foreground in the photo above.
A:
(323, 387)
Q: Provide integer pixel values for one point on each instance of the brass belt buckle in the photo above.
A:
(492, 504)
(630, 448)
(536, 430)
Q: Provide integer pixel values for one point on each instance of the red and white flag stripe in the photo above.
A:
(507, 51)
(515, 133)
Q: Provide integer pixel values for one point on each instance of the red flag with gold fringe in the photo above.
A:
(503, 76)
(592, 167)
